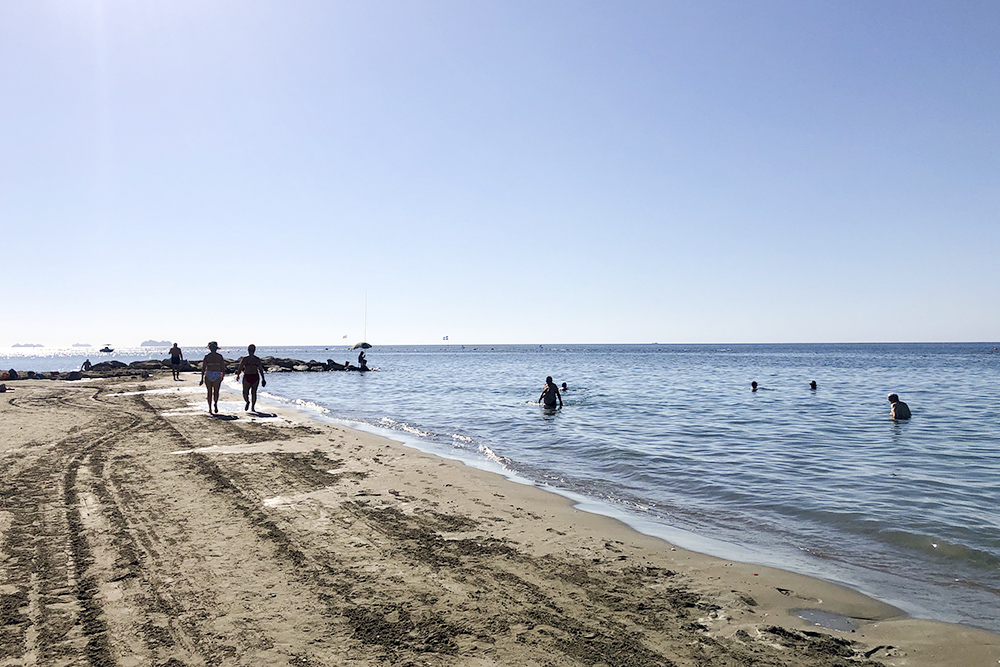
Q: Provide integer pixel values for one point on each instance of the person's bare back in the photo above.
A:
(550, 394)
(899, 409)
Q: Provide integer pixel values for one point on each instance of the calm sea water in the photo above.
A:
(671, 439)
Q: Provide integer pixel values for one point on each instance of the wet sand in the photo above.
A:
(138, 530)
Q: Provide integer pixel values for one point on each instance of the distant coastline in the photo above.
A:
(154, 343)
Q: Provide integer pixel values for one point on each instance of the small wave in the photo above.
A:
(493, 456)
(312, 407)
(394, 425)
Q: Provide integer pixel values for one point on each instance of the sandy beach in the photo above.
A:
(139, 530)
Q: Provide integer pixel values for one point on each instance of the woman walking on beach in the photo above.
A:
(213, 369)
(252, 369)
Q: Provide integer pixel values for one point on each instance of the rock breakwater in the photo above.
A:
(149, 367)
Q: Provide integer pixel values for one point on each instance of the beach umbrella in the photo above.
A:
(363, 346)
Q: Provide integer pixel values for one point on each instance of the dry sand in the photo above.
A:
(138, 530)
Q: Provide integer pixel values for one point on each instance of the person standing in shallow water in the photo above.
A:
(550, 394)
(213, 369)
(899, 410)
(252, 369)
(176, 357)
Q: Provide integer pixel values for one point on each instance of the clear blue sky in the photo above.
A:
(499, 172)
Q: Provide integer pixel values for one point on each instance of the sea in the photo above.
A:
(671, 440)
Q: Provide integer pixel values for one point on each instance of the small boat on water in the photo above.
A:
(107, 349)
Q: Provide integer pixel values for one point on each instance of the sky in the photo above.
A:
(294, 173)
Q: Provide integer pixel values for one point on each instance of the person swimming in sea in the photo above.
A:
(176, 357)
(550, 394)
(213, 369)
(899, 410)
(753, 386)
(252, 369)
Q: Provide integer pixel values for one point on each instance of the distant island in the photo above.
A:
(27, 345)
(82, 345)
(155, 343)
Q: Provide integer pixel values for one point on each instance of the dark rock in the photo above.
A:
(185, 365)
(149, 364)
(287, 364)
(109, 366)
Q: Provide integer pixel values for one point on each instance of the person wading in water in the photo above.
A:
(550, 394)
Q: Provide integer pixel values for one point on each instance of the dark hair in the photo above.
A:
(548, 378)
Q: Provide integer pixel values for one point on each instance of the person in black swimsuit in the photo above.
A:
(176, 356)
